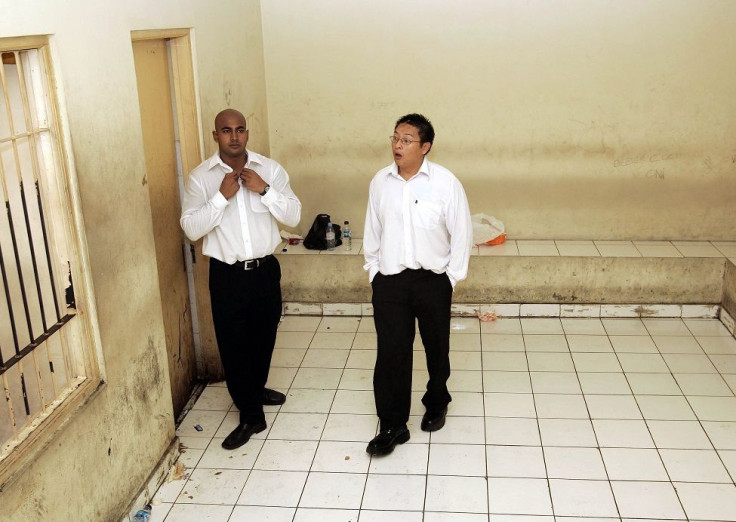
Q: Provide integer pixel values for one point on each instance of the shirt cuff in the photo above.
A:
(219, 201)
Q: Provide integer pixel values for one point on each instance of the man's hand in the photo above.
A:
(229, 186)
(252, 181)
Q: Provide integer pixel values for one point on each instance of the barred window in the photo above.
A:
(45, 352)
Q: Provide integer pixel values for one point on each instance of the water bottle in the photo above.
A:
(330, 237)
(347, 237)
(142, 515)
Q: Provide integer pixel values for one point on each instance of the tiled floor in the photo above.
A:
(551, 420)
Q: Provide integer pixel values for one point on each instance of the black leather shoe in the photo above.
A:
(385, 441)
(272, 397)
(434, 420)
(241, 434)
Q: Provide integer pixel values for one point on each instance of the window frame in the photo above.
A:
(39, 434)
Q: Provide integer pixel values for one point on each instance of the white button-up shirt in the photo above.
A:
(245, 226)
(420, 223)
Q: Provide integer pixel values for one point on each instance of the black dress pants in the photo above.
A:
(246, 309)
(397, 301)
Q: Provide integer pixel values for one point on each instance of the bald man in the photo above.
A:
(234, 200)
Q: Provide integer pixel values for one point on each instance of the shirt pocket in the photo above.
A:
(255, 202)
(427, 214)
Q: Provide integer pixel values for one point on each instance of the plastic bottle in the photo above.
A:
(143, 515)
(330, 237)
(347, 237)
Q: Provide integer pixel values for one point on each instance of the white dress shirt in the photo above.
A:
(245, 226)
(420, 223)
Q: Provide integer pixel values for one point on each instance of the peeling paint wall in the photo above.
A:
(96, 463)
(569, 119)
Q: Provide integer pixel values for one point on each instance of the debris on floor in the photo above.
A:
(487, 317)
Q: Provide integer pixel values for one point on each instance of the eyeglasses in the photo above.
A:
(404, 141)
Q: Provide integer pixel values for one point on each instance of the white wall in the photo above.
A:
(565, 119)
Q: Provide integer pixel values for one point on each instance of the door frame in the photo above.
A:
(191, 146)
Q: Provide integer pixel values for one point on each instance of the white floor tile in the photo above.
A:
(457, 459)
(505, 431)
(308, 401)
(574, 463)
(708, 501)
(213, 486)
(298, 426)
(325, 515)
(522, 496)
(285, 455)
(722, 434)
(508, 382)
(390, 516)
(341, 457)
(500, 342)
(273, 488)
(264, 514)
(604, 383)
(589, 343)
(333, 490)
(647, 500)
(621, 433)
(692, 465)
(671, 434)
(633, 343)
(456, 494)
(515, 461)
(199, 513)
(567, 432)
(546, 343)
(461, 430)
(653, 384)
(555, 382)
(633, 464)
(350, 427)
(409, 459)
(241, 458)
(394, 492)
(557, 406)
(582, 498)
(509, 405)
(612, 407)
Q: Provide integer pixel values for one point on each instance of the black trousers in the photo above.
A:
(246, 308)
(397, 301)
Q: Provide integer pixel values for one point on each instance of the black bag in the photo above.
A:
(315, 239)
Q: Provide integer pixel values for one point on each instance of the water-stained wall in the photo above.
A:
(569, 119)
(95, 464)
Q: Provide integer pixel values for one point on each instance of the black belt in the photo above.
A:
(252, 264)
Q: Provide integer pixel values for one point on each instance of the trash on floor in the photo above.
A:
(487, 230)
(487, 317)
(143, 514)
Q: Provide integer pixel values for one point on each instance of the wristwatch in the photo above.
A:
(265, 190)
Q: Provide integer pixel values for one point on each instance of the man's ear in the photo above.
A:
(426, 146)
(214, 135)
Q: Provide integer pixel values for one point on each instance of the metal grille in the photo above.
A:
(37, 297)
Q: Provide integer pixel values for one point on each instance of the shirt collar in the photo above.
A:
(253, 158)
(423, 169)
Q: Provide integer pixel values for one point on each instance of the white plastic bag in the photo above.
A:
(487, 230)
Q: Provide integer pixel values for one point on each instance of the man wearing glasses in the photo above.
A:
(416, 243)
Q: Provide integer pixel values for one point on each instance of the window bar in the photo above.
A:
(10, 308)
(48, 253)
(34, 263)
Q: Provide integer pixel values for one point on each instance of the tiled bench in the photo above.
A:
(541, 278)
